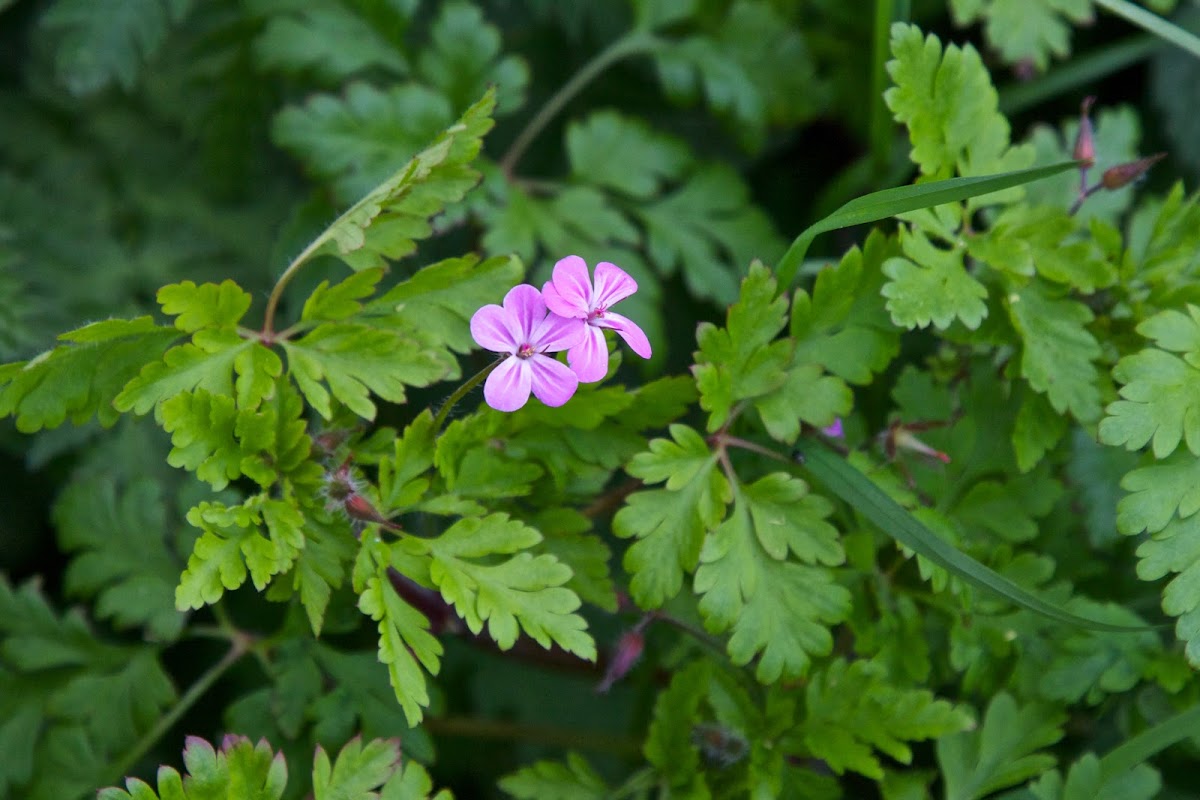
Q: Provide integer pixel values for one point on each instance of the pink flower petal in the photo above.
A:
(572, 288)
(507, 387)
(525, 303)
(613, 284)
(555, 333)
(628, 330)
(492, 329)
(553, 381)
(589, 358)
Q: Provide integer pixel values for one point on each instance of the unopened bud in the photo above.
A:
(1124, 174)
(720, 746)
(903, 439)
(629, 650)
(1085, 144)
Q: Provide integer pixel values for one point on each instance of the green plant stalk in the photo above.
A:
(1121, 759)
(462, 391)
(633, 43)
(1077, 73)
(890, 517)
(121, 767)
(1152, 23)
(887, 12)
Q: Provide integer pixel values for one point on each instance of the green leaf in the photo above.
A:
(330, 41)
(319, 568)
(1157, 492)
(405, 643)
(233, 542)
(670, 524)
(753, 67)
(1158, 388)
(1028, 238)
(359, 769)
(843, 325)
(124, 552)
(1058, 350)
(624, 154)
(356, 140)
(807, 395)
(852, 710)
(238, 769)
(96, 46)
(707, 229)
(1002, 752)
(82, 377)
(523, 590)
(553, 780)
(520, 223)
(669, 744)
(440, 299)
(70, 703)
(1086, 782)
(355, 360)
(930, 284)
(341, 301)
(778, 610)
(740, 361)
(1023, 31)
(462, 60)
(946, 99)
(392, 216)
(1037, 430)
(207, 362)
(209, 305)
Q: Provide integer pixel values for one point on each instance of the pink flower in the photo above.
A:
(834, 431)
(570, 294)
(525, 330)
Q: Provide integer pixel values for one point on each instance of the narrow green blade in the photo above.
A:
(897, 200)
(890, 517)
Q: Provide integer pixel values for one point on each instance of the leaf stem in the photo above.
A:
(477, 728)
(1153, 23)
(239, 647)
(462, 391)
(268, 329)
(633, 43)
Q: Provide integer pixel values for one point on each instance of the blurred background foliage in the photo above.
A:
(144, 142)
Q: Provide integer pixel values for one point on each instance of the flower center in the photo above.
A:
(525, 351)
(596, 313)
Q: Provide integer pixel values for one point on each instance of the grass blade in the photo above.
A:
(890, 517)
(890, 202)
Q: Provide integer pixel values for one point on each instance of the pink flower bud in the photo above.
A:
(1085, 145)
(629, 650)
(1124, 174)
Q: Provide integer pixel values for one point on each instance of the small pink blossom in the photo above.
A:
(570, 293)
(525, 330)
(834, 431)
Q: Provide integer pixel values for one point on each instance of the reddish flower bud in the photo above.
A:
(629, 650)
(904, 440)
(1085, 144)
(1124, 174)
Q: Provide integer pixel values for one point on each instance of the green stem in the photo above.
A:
(268, 331)
(1123, 758)
(239, 647)
(880, 125)
(564, 738)
(1079, 72)
(1153, 23)
(633, 43)
(462, 391)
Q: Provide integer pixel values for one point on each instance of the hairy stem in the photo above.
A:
(268, 329)
(462, 391)
(633, 43)
(238, 648)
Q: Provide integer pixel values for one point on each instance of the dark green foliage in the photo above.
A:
(266, 227)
